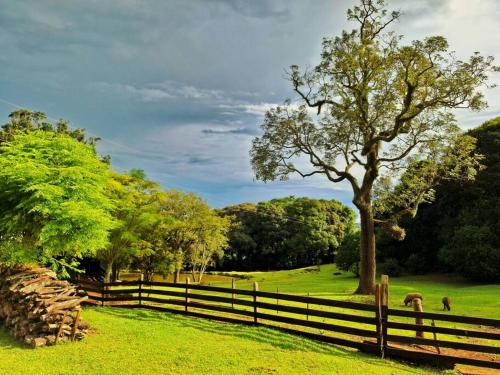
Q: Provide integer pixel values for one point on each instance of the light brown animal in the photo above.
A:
(410, 297)
(446, 303)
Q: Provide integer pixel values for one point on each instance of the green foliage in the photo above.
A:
(187, 233)
(347, 257)
(457, 162)
(24, 121)
(210, 242)
(390, 267)
(137, 214)
(285, 233)
(462, 223)
(472, 250)
(52, 196)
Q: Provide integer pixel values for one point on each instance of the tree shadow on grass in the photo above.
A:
(259, 334)
(263, 335)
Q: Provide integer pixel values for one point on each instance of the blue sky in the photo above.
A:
(179, 87)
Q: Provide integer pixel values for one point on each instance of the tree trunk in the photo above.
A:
(367, 267)
(108, 272)
(177, 276)
(116, 272)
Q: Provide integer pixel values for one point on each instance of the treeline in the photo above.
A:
(459, 232)
(285, 233)
(61, 202)
(62, 205)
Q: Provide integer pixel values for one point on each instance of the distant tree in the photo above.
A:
(285, 233)
(209, 245)
(347, 257)
(26, 121)
(136, 212)
(381, 106)
(242, 247)
(53, 202)
(192, 232)
(314, 229)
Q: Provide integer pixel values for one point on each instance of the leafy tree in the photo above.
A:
(285, 233)
(242, 247)
(211, 240)
(472, 250)
(314, 229)
(381, 106)
(191, 231)
(26, 121)
(347, 257)
(53, 201)
(137, 212)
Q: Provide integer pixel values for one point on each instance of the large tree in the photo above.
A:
(137, 212)
(53, 202)
(372, 105)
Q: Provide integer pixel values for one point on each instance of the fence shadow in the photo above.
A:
(259, 334)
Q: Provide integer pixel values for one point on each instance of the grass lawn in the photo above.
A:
(148, 342)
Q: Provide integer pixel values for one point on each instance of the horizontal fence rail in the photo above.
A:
(375, 329)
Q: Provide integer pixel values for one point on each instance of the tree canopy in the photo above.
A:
(285, 233)
(53, 199)
(458, 231)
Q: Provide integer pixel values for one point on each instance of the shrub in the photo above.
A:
(347, 257)
(416, 265)
(390, 267)
(471, 251)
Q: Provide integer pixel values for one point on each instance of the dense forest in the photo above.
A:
(285, 233)
(458, 232)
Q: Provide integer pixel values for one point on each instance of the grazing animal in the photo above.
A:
(410, 297)
(446, 303)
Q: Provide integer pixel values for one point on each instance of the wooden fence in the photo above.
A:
(375, 329)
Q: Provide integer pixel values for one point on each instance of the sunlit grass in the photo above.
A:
(146, 342)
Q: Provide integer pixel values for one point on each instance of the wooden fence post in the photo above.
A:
(141, 280)
(307, 307)
(384, 307)
(232, 293)
(103, 294)
(187, 294)
(255, 300)
(277, 301)
(435, 337)
(378, 315)
(417, 306)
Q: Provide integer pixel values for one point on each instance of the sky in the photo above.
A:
(179, 87)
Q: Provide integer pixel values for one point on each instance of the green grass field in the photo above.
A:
(146, 342)
(132, 341)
